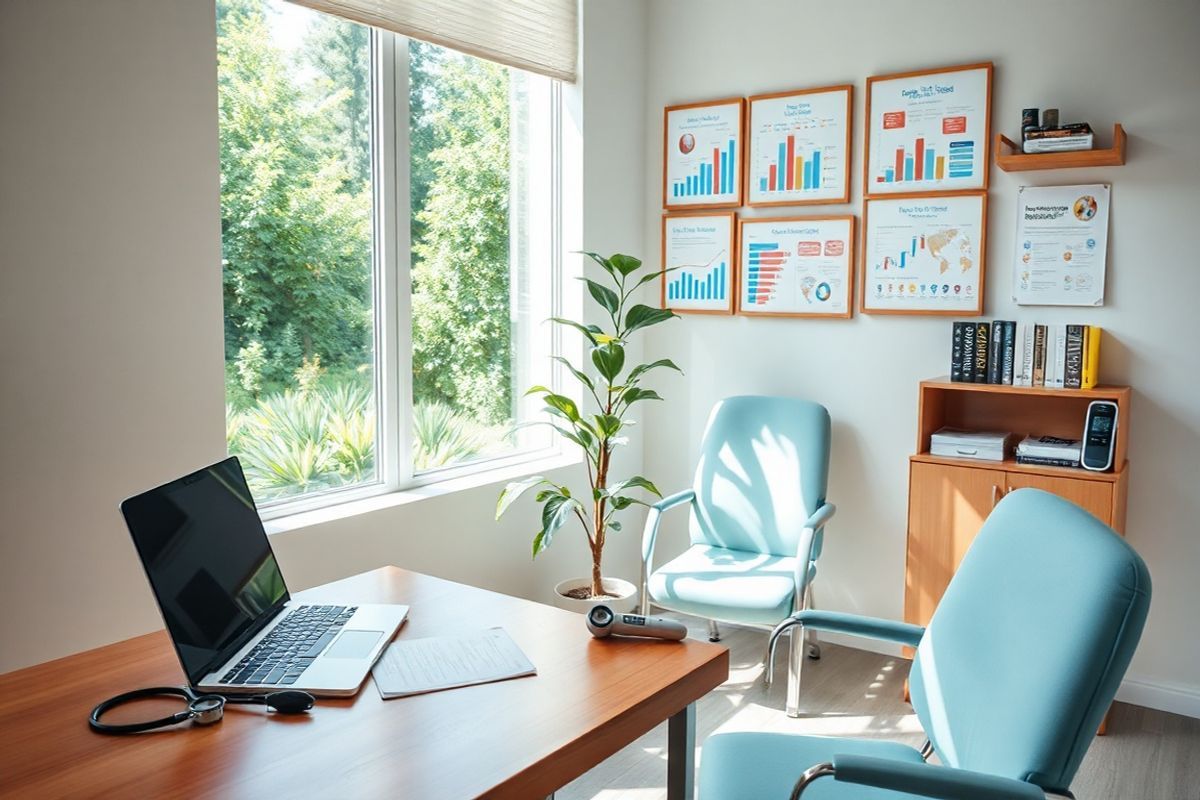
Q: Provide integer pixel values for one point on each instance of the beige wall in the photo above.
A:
(111, 317)
(1106, 62)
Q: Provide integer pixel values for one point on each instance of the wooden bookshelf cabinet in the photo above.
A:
(949, 498)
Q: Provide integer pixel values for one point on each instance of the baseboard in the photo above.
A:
(1175, 698)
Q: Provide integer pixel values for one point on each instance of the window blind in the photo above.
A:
(534, 35)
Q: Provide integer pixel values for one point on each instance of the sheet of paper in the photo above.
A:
(415, 666)
(1062, 245)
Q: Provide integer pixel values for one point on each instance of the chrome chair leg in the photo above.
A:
(926, 750)
(814, 641)
(795, 661)
(714, 632)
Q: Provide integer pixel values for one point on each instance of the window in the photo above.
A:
(388, 214)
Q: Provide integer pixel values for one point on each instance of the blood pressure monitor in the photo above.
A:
(1099, 436)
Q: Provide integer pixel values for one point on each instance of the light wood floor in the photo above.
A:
(1147, 755)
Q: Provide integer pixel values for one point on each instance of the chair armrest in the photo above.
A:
(804, 545)
(885, 630)
(650, 534)
(927, 780)
(821, 516)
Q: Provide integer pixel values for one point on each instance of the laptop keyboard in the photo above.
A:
(283, 654)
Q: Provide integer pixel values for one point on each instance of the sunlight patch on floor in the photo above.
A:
(756, 717)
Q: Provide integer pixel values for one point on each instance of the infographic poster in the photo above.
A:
(924, 254)
(928, 131)
(1062, 245)
(799, 147)
(698, 249)
(796, 267)
(702, 154)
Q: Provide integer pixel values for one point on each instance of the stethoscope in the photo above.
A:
(202, 709)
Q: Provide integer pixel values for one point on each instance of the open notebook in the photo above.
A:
(416, 666)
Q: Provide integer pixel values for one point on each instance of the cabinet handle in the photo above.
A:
(996, 492)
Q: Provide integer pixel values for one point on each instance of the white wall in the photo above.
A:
(111, 317)
(1134, 63)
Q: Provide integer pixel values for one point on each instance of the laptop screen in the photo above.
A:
(206, 554)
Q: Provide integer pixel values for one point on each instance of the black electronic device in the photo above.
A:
(603, 621)
(1099, 436)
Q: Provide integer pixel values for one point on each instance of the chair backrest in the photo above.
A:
(1026, 649)
(763, 470)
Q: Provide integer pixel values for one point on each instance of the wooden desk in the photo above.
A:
(522, 738)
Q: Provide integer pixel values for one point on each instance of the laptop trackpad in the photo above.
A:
(353, 644)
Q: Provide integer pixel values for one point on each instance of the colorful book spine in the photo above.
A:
(1039, 355)
(1008, 350)
(956, 352)
(983, 332)
(968, 352)
(1091, 358)
(1073, 371)
(1047, 462)
(995, 348)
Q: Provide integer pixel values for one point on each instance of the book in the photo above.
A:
(956, 352)
(1091, 358)
(995, 348)
(1059, 144)
(1008, 353)
(1073, 369)
(968, 352)
(1027, 354)
(1039, 355)
(1059, 354)
(983, 333)
(1049, 447)
(1042, 461)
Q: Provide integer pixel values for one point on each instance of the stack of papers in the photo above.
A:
(416, 666)
(985, 446)
(1049, 451)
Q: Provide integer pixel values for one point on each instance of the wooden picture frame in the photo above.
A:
(913, 297)
(786, 294)
(788, 174)
(700, 273)
(703, 154)
(876, 179)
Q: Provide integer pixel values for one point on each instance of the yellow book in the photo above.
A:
(1091, 357)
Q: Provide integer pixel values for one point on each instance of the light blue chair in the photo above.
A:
(1010, 680)
(757, 512)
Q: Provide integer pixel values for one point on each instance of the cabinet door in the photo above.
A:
(1096, 497)
(946, 507)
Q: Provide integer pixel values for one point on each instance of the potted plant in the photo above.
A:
(597, 432)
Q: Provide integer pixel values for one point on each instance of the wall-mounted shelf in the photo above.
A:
(1010, 158)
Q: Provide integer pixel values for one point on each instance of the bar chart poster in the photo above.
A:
(924, 254)
(698, 250)
(928, 132)
(702, 154)
(796, 267)
(799, 145)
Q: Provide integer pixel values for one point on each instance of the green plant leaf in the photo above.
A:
(642, 369)
(563, 404)
(609, 359)
(624, 264)
(631, 396)
(537, 390)
(643, 316)
(604, 263)
(636, 481)
(515, 490)
(554, 514)
(647, 278)
(589, 331)
(603, 295)
(614, 526)
(607, 424)
(579, 375)
(539, 543)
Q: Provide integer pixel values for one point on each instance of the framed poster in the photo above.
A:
(1062, 245)
(699, 248)
(928, 131)
(796, 267)
(799, 147)
(702, 154)
(924, 254)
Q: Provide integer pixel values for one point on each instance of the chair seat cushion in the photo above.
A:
(730, 585)
(759, 766)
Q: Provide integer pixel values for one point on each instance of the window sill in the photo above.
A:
(401, 497)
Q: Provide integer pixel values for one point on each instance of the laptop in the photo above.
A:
(227, 609)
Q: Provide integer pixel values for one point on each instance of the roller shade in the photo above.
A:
(534, 35)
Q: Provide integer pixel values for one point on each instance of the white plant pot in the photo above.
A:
(624, 602)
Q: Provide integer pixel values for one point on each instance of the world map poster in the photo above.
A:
(924, 254)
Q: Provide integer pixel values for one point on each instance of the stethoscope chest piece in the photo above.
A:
(207, 709)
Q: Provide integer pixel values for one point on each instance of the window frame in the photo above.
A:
(392, 295)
